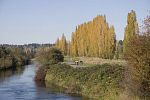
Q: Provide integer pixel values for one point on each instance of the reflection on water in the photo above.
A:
(6, 73)
(19, 84)
(52, 88)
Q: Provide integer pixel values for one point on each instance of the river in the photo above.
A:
(19, 84)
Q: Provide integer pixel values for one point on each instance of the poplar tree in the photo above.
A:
(94, 38)
(130, 30)
(62, 44)
(57, 43)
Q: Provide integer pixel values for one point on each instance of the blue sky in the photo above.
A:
(43, 21)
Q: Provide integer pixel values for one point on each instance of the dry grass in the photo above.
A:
(100, 61)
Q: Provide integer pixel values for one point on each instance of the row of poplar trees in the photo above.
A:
(96, 38)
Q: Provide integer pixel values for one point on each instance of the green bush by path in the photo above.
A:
(97, 82)
(50, 56)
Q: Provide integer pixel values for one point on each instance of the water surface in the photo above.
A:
(19, 84)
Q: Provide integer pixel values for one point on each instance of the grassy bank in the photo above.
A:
(97, 82)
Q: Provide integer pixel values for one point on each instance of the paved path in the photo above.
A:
(71, 63)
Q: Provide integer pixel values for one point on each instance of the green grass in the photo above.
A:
(97, 82)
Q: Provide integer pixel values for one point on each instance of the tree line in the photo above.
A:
(18, 55)
(94, 38)
(97, 38)
(11, 57)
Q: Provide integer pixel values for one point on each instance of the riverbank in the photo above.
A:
(96, 82)
(12, 57)
(100, 80)
(8, 63)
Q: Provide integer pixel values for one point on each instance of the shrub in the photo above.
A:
(50, 56)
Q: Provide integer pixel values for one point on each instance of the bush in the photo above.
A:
(50, 56)
(47, 56)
